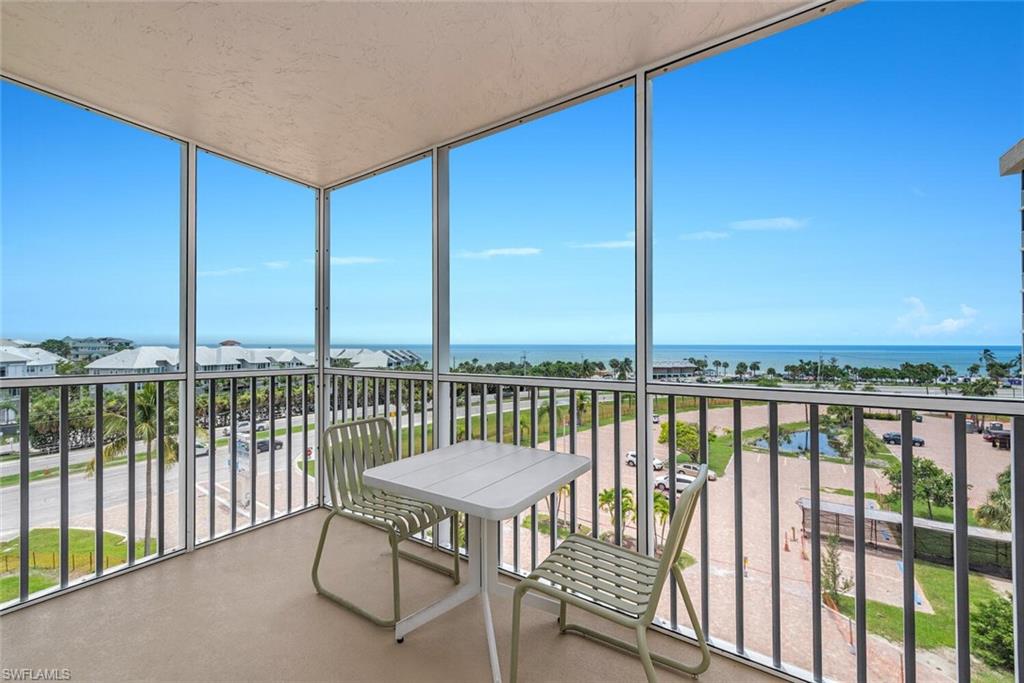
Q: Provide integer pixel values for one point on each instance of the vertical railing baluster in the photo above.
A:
(773, 469)
(452, 413)
(131, 472)
(815, 447)
(499, 437)
(705, 562)
(305, 437)
(98, 474)
(860, 570)
(467, 413)
(24, 395)
(737, 522)
(410, 413)
(332, 401)
(572, 449)
(365, 390)
(533, 508)
(271, 408)
(423, 416)
(552, 501)
(516, 439)
(288, 442)
(253, 451)
(617, 449)
(398, 416)
(65, 489)
(907, 536)
(961, 559)
(1017, 533)
(376, 396)
(673, 603)
(161, 462)
(483, 412)
(211, 436)
(594, 420)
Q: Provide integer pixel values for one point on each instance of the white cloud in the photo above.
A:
(611, 244)
(917, 319)
(500, 251)
(237, 270)
(276, 265)
(705, 235)
(778, 223)
(354, 260)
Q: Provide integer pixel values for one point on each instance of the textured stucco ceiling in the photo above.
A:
(321, 91)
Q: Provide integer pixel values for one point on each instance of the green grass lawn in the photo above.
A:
(932, 630)
(44, 564)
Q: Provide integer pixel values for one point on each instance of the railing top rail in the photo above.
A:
(79, 380)
(546, 382)
(381, 372)
(960, 404)
(268, 372)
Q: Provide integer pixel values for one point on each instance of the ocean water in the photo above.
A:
(776, 356)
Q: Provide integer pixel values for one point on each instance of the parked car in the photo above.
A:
(682, 480)
(263, 445)
(918, 417)
(202, 449)
(895, 438)
(692, 469)
(656, 418)
(631, 461)
(246, 426)
(992, 429)
(1001, 439)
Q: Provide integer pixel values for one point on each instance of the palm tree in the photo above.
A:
(717, 364)
(115, 432)
(997, 510)
(606, 502)
(755, 368)
(662, 511)
(973, 369)
(582, 400)
(725, 367)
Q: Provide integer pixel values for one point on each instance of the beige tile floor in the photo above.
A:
(244, 609)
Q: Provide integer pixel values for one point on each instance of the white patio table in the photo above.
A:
(488, 482)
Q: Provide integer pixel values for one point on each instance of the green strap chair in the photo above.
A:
(348, 449)
(617, 584)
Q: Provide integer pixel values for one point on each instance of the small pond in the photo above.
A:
(799, 442)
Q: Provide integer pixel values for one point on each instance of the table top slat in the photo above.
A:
(489, 480)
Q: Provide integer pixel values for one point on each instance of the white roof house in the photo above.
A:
(144, 359)
(375, 358)
(150, 359)
(22, 361)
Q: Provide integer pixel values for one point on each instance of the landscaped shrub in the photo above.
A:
(992, 625)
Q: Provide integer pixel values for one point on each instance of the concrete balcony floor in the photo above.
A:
(245, 609)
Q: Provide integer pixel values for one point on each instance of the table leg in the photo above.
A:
(488, 585)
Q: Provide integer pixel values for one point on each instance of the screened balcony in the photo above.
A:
(275, 217)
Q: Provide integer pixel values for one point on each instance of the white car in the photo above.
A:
(631, 461)
(692, 469)
(682, 480)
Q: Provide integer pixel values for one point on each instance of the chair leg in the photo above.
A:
(645, 653)
(705, 654)
(517, 603)
(379, 621)
(561, 617)
(394, 577)
(453, 525)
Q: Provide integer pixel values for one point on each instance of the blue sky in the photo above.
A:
(835, 183)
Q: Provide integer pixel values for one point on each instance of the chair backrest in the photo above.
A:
(348, 448)
(686, 503)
